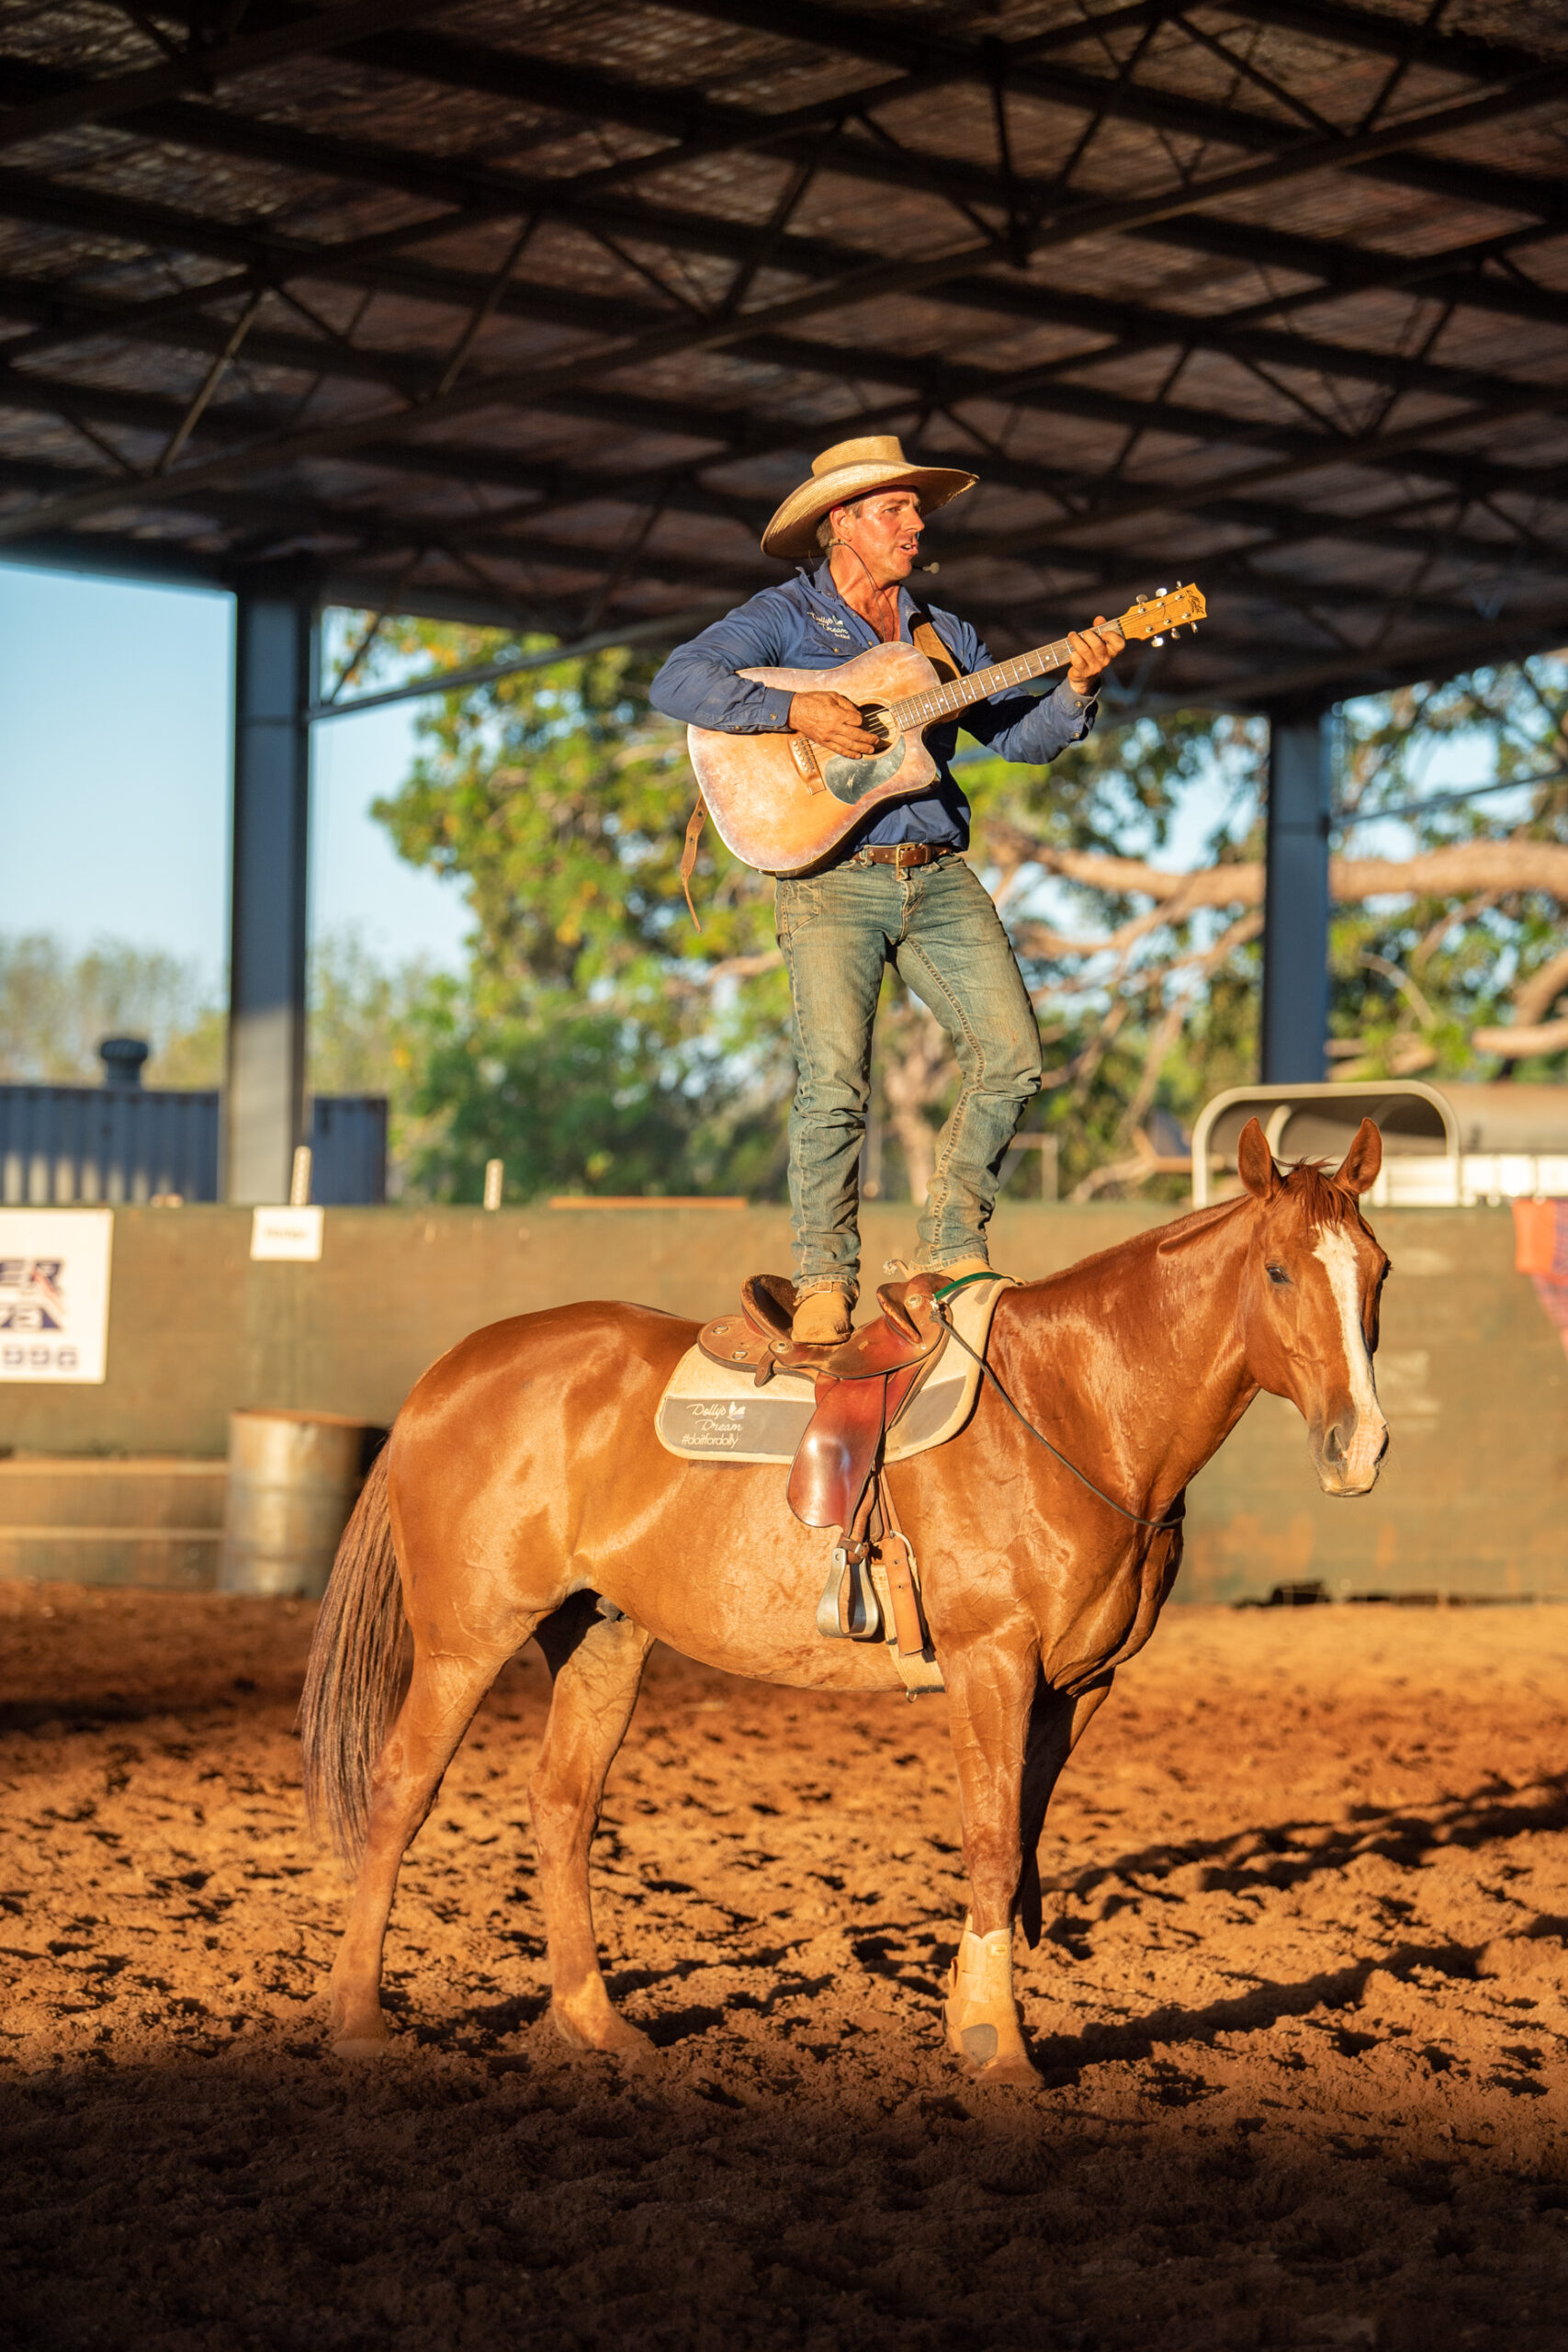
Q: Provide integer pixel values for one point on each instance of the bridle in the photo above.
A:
(940, 1302)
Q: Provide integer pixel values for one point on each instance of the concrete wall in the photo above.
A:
(1474, 1499)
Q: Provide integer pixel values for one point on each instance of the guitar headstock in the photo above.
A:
(1173, 608)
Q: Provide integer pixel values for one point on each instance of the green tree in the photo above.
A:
(597, 1042)
(366, 1031)
(56, 1008)
(1448, 949)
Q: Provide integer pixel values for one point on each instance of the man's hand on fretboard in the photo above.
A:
(1093, 649)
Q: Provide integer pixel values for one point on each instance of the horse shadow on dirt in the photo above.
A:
(1065, 2059)
(912, 1956)
(1288, 1854)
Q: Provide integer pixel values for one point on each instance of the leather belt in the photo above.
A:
(903, 855)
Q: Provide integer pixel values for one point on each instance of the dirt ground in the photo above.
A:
(1300, 2008)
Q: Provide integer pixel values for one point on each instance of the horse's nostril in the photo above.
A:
(1383, 1447)
(1334, 1445)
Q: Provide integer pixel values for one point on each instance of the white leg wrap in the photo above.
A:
(983, 1974)
(982, 2023)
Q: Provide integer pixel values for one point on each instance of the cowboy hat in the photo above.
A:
(852, 469)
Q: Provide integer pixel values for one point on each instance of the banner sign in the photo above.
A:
(54, 1292)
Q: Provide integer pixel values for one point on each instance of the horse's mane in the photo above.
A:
(1305, 1183)
(1323, 1202)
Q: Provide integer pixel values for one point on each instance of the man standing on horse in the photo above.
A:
(902, 893)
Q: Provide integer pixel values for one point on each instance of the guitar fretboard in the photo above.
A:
(941, 701)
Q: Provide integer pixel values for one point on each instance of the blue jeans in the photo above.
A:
(937, 926)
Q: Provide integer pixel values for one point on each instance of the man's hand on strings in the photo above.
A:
(834, 721)
(1093, 650)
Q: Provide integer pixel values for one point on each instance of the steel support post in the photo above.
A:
(1295, 895)
(275, 668)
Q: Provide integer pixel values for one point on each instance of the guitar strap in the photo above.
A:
(924, 637)
(694, 824)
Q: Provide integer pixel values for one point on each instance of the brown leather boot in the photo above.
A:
(821, 1319)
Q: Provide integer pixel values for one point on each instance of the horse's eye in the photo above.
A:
(1278, 1274)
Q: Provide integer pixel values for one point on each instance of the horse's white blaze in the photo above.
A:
(1336, 1253)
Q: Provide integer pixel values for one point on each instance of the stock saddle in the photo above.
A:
(862, 1386)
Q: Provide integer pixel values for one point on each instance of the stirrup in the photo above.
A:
(849, 1610)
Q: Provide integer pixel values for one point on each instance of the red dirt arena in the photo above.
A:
(1299, 2006)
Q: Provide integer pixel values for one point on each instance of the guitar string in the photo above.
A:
(945, 700)
(942, 701)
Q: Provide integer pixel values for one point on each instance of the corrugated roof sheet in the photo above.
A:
(533, 310)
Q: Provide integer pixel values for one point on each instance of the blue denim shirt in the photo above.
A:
(806, 624)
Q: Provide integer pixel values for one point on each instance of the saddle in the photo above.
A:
(863, 1383)
(861, 1387)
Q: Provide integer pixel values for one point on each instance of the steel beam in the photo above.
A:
(945, 385)
(1340, 269)
(65, 316)
(893, 40)
(1379, 36)
(1295, 895)
(1127, 327)
(516, 539)
(479, 191)
(275, 676)
(110, 96)
(890, 39)
(515, 534)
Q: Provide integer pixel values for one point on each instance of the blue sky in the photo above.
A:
(115, 714)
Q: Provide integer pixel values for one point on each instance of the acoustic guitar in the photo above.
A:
(783, 803)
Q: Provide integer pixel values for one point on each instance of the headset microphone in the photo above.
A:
(932, 568)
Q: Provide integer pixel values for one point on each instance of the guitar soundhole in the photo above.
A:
(850, 780)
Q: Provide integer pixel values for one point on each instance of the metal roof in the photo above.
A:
(532, 309)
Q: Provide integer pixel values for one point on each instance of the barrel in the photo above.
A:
(293, 1480)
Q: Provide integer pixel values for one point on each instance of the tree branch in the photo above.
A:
(1534, 998)
(1458, 868)
(1518, 1040)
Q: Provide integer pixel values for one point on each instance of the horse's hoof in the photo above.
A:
(361, 2045)
(1014, 2071)
(609, 2036)
(989, 2054)
(360, 2036)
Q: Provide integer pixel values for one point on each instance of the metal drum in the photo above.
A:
(293, 1480)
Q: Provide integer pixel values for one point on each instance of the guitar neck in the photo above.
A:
(941, 701)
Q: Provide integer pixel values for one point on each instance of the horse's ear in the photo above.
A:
(1255, 1162)
(1358, 1171)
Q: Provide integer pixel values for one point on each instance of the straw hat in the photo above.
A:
(852, 469)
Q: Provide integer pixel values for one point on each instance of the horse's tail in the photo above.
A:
(356, 1667)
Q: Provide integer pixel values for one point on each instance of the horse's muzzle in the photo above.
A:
(1349, 1452)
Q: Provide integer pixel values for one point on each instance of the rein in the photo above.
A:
(1175, 1518)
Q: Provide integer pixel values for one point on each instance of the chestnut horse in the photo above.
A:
(522, 1487)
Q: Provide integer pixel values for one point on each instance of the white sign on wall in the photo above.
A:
(288, 1234)
(54, 1292)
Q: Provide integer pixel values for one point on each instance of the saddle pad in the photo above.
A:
(710, 1413)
